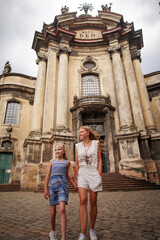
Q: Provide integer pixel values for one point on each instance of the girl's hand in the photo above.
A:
(46, 194)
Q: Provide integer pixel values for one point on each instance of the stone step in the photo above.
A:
(9, 187)
(116, 182)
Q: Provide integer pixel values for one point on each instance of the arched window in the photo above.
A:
(90, 85)
(12, 113)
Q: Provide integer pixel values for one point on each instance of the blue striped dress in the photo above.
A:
(58, 184)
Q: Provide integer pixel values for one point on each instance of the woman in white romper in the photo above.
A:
(88, 172)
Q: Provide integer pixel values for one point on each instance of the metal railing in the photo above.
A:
(95, 98)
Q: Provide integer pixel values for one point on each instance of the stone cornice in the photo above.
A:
(151, 74)
(18, 75)
(115, 17)
(15, 87)
(44, 37)
(18, 91)
(114, 30)
(68, 17)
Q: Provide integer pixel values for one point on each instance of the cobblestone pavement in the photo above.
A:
(121, 216)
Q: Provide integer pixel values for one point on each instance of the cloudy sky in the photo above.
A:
(19, 19)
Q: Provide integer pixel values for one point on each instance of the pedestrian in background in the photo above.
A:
(56, 188)
(88, 175)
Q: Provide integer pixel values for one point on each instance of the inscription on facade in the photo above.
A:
(88, 34)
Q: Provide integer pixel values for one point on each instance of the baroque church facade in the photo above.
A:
(89, 73)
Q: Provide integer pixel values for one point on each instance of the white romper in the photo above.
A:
(88, 176)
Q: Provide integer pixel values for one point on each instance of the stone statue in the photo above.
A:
(105, 8)
(7, 68)
(64, 9)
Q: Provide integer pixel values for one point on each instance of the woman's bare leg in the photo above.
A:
(93, 209)
(83, 209)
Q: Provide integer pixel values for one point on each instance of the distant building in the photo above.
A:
(89, 73)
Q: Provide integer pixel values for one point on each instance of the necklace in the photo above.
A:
(86, 156)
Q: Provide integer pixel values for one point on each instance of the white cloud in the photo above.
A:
(19, 19)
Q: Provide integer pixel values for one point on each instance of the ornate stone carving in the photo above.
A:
(80, 111)
(135, 54)
(8, 131)
(7, 68)
(114, 49)
(41, 56)
(126, 129)
(65, 49)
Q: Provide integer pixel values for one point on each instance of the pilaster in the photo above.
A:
(110, 139)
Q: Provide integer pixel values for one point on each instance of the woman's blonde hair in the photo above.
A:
(94, 136)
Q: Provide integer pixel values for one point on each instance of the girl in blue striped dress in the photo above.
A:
(56, 188)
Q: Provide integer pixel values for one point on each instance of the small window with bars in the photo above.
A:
(90, 85)
(96, 126)
(12, 113)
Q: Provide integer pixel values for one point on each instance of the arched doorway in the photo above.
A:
(97, 112)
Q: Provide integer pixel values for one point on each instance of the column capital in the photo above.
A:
(41, 56)
(64, 49)
(135, 54)
(114, 49)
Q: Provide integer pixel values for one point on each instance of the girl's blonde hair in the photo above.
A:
(70, 169)
(63, 146)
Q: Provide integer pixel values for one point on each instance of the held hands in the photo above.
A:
(75, 185)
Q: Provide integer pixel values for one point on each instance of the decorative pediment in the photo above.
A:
(86, 29)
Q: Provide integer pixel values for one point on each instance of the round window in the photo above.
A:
(89, 65)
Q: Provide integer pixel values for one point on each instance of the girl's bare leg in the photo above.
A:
(62, 211)
(53, 216)
(93, 208)
(83, 209)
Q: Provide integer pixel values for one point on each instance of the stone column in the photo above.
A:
(108, 83)
(109, 132)
(132, 87)
(62, 92)
(130, 160)
(121, 89)
(146, 107)
(37, 117)
(50, 93)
